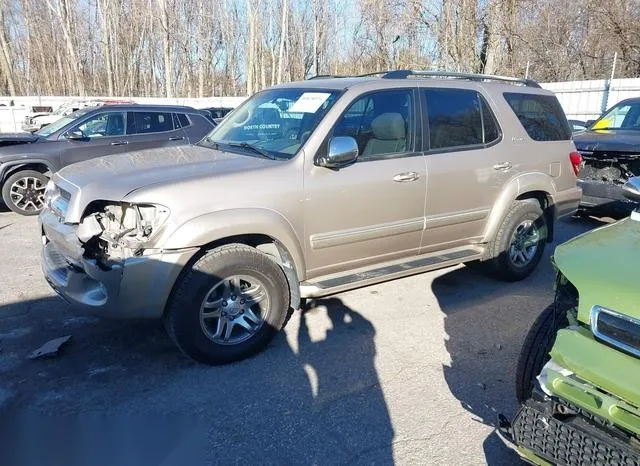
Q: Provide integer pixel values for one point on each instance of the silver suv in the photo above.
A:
(309, 189)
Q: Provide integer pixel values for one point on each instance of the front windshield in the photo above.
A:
(276, 122)
(622, 116)
(61, 123)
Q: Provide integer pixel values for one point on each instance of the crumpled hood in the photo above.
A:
(114, 176)
(608, 140)
(603, 265)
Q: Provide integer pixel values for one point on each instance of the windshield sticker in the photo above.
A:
(309, 102)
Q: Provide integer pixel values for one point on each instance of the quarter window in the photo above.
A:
(182, 120)
(149, 122)
(540, 115)
(382, 123)
(104, 124)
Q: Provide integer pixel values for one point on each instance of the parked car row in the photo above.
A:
(41, 116)
(316, 187)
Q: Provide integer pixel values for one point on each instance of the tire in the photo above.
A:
(227, 281)
(535, 350)
(502, 265)
(31, 185)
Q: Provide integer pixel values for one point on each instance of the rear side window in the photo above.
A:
(149, 122)
(458, 118)
(541, 116)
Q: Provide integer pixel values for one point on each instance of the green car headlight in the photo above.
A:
(619, 330)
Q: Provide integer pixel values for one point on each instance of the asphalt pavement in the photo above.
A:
(413, 371)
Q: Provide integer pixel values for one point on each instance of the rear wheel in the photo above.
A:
(228, 306)
(519, 242)
(23, 192)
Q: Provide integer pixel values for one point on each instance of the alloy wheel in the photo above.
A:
(235, 309)
(28, 194)
(524, 243)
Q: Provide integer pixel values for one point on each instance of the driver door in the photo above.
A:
(372, 211)
(104, 134)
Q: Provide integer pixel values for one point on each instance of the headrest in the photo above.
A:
(388, 126)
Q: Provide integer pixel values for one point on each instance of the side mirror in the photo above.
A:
(588, 123)
(343, 151)
(74, 134)
(631, 189)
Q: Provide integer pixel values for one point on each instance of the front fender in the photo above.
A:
(7, 168)
(223, 224)
(525, 183)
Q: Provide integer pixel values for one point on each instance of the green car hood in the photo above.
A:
(604, 266)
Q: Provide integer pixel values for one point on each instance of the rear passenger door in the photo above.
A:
(151, 129)
(466, 172)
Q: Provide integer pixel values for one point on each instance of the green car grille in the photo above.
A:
(574, 441)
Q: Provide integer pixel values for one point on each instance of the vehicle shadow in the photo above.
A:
(485, 323)
(312, 397)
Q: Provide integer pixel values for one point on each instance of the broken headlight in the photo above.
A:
(120, 230)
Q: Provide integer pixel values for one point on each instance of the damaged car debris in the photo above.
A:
(578, 375)
(116, 231)
(610, 150)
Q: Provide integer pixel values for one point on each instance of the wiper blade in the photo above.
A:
(257, 150)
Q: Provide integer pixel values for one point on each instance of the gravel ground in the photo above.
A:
(412, 371)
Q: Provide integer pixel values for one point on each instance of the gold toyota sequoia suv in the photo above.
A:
(309, 189)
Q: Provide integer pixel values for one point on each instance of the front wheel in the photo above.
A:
(228, 306)
(535, 350)
(23, 192)
(519, 242)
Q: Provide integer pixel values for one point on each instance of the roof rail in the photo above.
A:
(326, 76)
(403, 74)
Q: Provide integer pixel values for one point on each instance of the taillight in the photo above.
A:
(576, 161)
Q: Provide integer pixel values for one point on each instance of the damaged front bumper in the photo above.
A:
(585, 407)
(543, 436)
(134, 287)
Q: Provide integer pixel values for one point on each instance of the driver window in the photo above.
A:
(104, 124)
(380, 122)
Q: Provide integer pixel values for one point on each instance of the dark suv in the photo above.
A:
(25, 166)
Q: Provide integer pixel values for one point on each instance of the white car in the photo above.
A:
(35, 121)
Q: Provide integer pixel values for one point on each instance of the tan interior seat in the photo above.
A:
(389, 135)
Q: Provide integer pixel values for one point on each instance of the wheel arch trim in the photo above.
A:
(518, 188)
(212, 228)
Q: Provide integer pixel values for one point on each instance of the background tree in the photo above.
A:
(232, 47)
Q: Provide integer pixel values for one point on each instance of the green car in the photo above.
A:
(578, 376)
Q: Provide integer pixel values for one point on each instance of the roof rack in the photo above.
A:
(404, 74)
(325, 76)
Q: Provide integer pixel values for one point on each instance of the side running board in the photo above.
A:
(335, 284)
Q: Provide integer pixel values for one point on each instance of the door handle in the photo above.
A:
(405, 177)
(120, 143)
(502, 166)
(176, 138)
